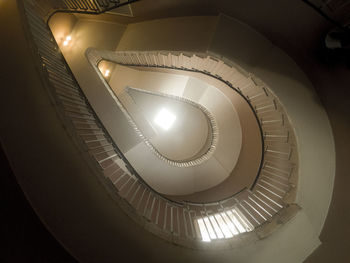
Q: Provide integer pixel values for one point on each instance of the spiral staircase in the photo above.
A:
(261, 214)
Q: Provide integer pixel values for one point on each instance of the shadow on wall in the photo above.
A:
(27, 239)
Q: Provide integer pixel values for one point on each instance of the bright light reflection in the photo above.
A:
(222, 225)
(67, 40)
(107, 73)
(204, 233)
(236, 222)
(229, 224)
(216, 227)
(165, 119)
(209, 228)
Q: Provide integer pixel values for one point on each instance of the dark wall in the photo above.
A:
(330, 73)
(24, 238)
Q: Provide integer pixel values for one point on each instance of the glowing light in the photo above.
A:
(107, 72)
(222, 225)
(225, 230)
(228, 222)
(67, 40)
(236, 222)
(216, 227)
(204, 233)
(209, 228)
(165, 119)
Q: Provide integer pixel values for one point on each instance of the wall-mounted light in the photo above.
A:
(107, 72)
(66, 42)
(106, 69)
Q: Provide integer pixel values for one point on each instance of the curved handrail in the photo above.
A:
(135, 58)
(95, 57)
(176, 219)
(214, 134)
(90, 7)
(96, 7)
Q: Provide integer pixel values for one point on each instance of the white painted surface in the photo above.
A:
(291, 243)
(307, 116)
(164, 177)
(254, 53)
(85, 34)
(187, 33)
(189, 132)
(298, 238)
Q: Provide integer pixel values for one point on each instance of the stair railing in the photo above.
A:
(182, 223)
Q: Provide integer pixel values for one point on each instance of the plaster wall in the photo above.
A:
(62, 25)
(170, 180)
(68, 196)
(245, 169)
(308, 118)
(247, 165)
(254, 53)
(291, 243)
(185, 33)
(105, 35)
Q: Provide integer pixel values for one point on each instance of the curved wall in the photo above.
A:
(308, 117)
(253, 53)
(80, 197)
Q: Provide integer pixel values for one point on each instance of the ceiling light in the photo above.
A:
(165, 119)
